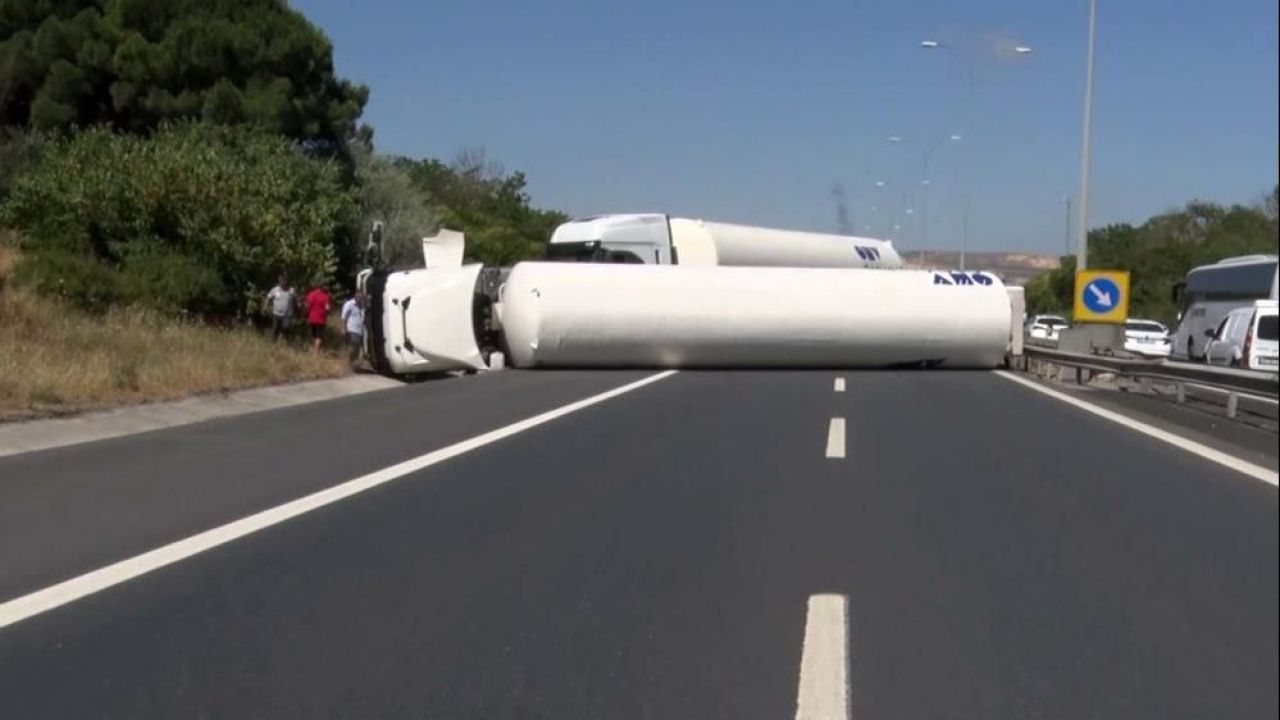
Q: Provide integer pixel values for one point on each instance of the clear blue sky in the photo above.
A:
(752, 111)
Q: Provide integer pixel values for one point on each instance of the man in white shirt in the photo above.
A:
(353, 323)
(280, 302)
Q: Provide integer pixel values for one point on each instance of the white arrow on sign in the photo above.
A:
(1103, 298)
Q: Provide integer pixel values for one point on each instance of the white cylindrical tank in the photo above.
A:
(703, 243)
(585, 315)
(661, 240)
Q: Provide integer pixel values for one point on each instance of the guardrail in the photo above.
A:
(1229, 383)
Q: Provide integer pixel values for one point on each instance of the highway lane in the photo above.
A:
(1003, 555)
(86, 505)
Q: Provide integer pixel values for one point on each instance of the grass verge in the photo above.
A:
(55, 359)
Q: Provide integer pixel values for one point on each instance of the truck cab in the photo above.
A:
(637, 239)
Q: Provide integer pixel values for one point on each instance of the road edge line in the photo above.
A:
(1227, 460)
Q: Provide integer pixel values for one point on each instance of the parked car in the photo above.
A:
(1147, 337)
(1046, 327)
(1246, 338)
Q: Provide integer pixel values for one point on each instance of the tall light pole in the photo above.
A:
(926, 153)
(968, 122)
(887, 221)
(1086, 148)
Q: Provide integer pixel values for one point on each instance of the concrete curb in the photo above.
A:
(22, 437)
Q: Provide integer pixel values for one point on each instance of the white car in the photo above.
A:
(1147, 337)
(1246, 338)
(1046, 327)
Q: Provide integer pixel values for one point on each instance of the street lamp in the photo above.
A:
(968, 120)
(882, 219)
(926, 153)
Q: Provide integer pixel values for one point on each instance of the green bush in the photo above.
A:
(478, 197)
(385, 192)
(1159, 253)
(20, 151)
(134, 64)
(76, 277)
(196, 218)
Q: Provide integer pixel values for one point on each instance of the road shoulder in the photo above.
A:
(28, 436)
(1246, 442)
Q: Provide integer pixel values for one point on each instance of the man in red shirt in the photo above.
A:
(317, 302)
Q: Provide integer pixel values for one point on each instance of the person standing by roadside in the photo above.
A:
(318, 305)
(353, 323)
(280, 301)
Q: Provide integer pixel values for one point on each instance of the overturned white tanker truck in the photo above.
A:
(714, 295)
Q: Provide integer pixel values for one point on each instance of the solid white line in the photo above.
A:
(824, 664)
(26, 606)
(1254, 471)
(839, 384)
(835, 438)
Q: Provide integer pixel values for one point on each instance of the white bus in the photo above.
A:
(1209, 292)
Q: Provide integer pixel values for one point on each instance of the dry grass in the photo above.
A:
(55, 359)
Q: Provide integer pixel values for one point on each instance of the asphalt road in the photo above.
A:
(1003, 554)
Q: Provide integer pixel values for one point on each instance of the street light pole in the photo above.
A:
(885, 222)
(968, 127)
(966, 154)
(1086, 148)
(971, 90)
(926, 153)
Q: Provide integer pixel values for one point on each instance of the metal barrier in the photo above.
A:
(1229, 383)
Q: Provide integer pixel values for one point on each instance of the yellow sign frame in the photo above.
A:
(1120, 309)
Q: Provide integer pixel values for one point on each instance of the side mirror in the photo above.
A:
(1209, 333)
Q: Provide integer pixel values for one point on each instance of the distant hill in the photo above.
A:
(1013, 268)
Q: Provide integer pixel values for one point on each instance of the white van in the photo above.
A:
(1246, 338)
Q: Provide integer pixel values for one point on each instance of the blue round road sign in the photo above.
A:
(1101, 296)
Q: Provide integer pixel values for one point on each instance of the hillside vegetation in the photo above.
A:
(56, 358)
(1159, 252)
(163, 161)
